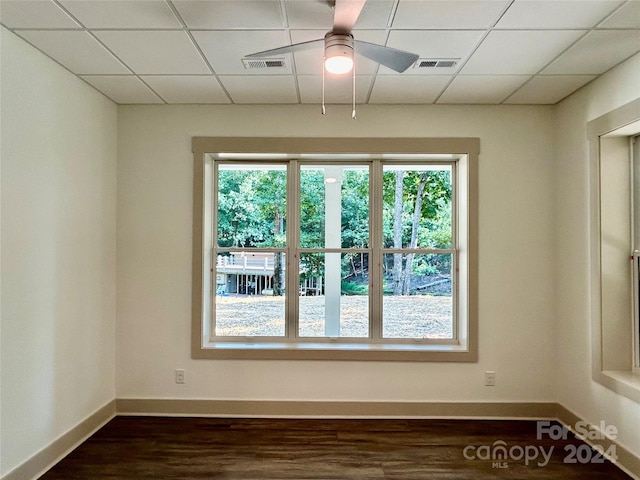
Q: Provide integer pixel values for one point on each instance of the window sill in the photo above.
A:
(624, 382)
(331, 351)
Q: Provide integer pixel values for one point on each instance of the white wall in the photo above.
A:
(516, 254)
(576, 390)
(58, 198)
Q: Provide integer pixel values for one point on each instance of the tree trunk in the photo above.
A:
(417, 211)
(397, 234)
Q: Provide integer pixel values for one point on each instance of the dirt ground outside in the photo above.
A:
(415, 316)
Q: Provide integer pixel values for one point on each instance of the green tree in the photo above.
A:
(239, 222)
(417, 211)
(251, 212)
(270, 197)
(312, 211)
(355, 221)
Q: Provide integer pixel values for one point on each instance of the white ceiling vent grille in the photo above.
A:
(270, 63)
(436, 63)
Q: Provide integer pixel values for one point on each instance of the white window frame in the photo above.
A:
(462, 153)
(636, 312)
(634, 146)
(613, 328)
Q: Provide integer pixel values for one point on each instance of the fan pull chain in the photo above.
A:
(353, 92)
(324, 111)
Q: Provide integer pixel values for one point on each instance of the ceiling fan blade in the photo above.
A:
(397, 60)
(345, 14)
(296, 47)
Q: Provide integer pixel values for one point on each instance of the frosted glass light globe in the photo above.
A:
(338, 64)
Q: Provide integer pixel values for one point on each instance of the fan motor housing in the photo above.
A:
(338, 44)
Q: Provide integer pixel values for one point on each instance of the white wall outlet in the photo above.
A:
(179, 375)
(490, 379)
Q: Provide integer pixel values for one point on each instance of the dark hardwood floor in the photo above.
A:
(261, 449)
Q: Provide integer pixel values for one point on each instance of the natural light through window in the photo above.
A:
(332, 251)
(615, 240)
(355, 252)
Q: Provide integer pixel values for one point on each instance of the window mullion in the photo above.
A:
(375, 251)
(293, 253)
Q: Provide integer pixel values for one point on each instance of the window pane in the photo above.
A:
(334, 295)
(251, 205)
(418, 304)
(334, 206)
(417, 206)
(249, 298)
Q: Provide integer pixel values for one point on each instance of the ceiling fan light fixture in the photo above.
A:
(338, 64)
(338, 53)
(339, 48)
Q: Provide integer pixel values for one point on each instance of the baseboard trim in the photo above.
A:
(627, 461)
(319, 409)
(63, 445)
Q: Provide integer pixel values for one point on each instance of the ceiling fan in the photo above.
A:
(339, 44)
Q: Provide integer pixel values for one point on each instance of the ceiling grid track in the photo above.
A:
(592, 29)
(511, 52)
(465, 61)
(199, 50)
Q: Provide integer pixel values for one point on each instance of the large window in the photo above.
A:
(615, 237)
(308, 254)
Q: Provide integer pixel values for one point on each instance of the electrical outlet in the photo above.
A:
(490, 379)
(179, 375)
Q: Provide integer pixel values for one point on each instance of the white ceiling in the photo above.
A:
(191, 51)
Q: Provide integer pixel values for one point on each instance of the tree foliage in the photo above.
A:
(251, 208)
(416, 213)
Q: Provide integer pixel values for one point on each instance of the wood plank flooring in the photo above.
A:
(281, 449)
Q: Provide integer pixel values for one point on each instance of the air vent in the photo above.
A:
(436, 63)
(253, 63)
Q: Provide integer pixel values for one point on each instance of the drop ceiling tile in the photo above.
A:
(187, 89)
(76, 50)
(226, 49)
(558, 14)
(309, 62)
(230, 14)
(433, 44)
(149, 52)
(34, 14)
(261, 89)
(482, 89)
(548, 89)
(399, 89)
(314, 14)
(626, 17)
(518, 52)
(375, 14)
(597, 52)
(337, 89)
(122, 89)
(309, 14)
(436, 43)
(458, 14)
(119, 14)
